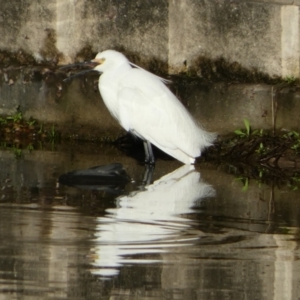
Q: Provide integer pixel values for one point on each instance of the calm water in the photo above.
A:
(192, 234)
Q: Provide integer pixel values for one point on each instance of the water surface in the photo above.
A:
(190, 234)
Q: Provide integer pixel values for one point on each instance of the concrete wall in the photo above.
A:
(259, 35)
(77, 110)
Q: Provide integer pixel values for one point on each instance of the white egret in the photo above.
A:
(142, 104)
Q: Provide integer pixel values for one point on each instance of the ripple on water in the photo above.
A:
(179, 238)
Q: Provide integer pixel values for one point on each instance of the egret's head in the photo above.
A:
(108, 59)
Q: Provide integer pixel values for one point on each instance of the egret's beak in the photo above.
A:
(87, 64)
(90, 65)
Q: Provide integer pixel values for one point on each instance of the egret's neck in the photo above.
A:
(109, 87)
(116, 72)
(110, 79)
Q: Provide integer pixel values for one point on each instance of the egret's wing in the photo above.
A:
(148, 120)
(148, 107)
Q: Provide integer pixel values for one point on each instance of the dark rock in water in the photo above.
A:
(109, 178)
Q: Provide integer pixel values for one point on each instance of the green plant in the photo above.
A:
(3, 121)
(31, 122)
(16, 117)
(294, 182)
(259, 132)
(295, 137)
(17, 152)
(41, 130)
(245, 182)
(261, 149)
(296, 146)
(244, 133)
(292, 134)
(290, 79)
(30, 147)
(52, 134)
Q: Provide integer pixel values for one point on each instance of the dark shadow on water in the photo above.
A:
(132, 146)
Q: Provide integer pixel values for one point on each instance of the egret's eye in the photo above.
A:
(99, 61)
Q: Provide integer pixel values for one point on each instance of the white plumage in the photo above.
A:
(142, 104)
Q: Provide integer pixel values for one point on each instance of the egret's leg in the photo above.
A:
(147, 154)
(148, 175)
(149, 157)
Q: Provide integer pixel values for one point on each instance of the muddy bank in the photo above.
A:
(266, 159)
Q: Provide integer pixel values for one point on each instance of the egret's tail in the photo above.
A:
(206, 139)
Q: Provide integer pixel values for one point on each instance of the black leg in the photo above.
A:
(146, 151)
(149, 157)
(148, 175)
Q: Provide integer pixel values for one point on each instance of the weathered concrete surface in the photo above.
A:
(74, 107)
(63, 31)
(287, 109)
(222, 107)
(259, 35)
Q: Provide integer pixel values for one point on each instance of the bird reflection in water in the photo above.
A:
(148, 221)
